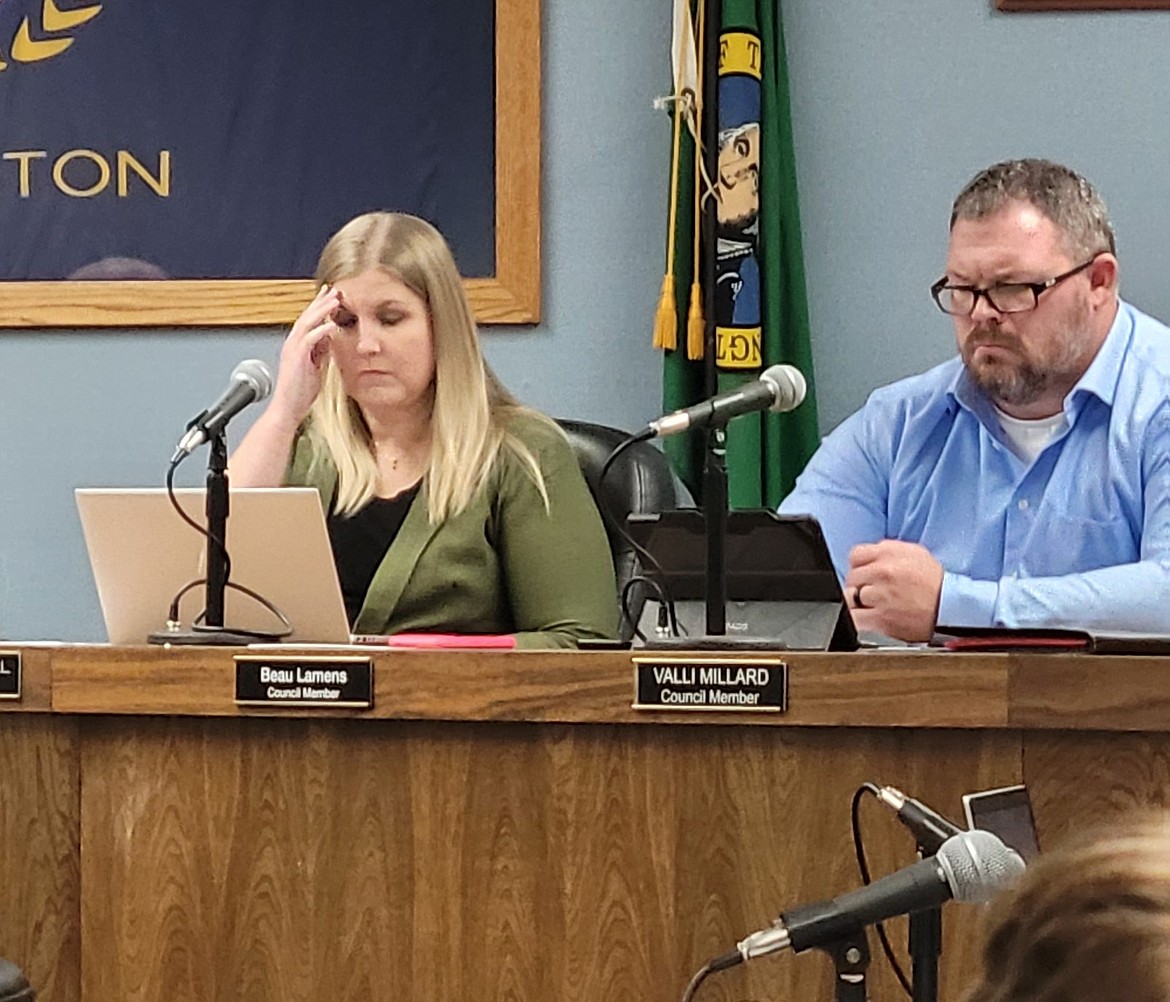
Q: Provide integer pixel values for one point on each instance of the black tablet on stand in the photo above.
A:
(782, 589)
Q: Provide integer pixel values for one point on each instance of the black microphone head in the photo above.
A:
(256, 374)
(788, 387)
(977, 865)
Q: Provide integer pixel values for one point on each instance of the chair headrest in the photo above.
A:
(640, 480)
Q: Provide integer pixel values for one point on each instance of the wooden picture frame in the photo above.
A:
(1083, 5)
(510, 296)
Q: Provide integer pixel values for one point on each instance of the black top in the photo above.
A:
(360, 542)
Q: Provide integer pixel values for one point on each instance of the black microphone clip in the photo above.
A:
(928, 827)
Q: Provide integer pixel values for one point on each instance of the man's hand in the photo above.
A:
(893, 587)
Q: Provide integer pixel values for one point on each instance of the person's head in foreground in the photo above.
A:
(1089, 922)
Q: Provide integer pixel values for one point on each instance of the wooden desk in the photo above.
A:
(504, 825)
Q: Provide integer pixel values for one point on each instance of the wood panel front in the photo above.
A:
(1090, 692)
(505, 826)
(40, 890)
(895, 689)
(292, 859)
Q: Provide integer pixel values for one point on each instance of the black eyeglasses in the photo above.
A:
(1006, 297)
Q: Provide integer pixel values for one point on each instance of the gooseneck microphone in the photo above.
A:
(251, 381)
(970, 867)
(929, 827)
(779, 388)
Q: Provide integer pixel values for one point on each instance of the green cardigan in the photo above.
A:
(504, 564)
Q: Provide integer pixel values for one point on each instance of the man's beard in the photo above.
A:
(1024, 378)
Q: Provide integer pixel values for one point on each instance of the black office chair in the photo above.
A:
(640, 481)
(14, 986)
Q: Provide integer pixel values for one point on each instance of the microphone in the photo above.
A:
(780, 388)
(928, 827)
(251, 381)
(970, 867)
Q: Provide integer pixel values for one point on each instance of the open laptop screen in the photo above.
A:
(142, 554)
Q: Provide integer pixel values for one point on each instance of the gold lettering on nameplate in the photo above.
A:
(85, 173)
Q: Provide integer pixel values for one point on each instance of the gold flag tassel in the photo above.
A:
(696, 322)
(666, 317)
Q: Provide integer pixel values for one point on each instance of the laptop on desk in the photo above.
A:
(142, 554)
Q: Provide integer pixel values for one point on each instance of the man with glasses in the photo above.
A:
(1025, 483)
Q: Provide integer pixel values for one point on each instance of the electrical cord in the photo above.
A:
(198, 626)
(202, 530)
(649, 562)
(693, 986)
(863, 868)
(665, 608)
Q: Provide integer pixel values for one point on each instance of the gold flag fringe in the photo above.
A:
(696, 324)
(666, 318)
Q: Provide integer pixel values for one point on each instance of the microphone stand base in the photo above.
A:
(208, 638)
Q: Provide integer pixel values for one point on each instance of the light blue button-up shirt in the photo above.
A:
(1079, 537)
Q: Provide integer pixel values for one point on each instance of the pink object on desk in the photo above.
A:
(492, 641)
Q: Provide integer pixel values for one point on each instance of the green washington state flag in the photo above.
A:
(760, 306)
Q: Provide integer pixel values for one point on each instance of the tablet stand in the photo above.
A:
(779, 604)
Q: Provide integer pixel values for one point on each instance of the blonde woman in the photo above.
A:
(451, 508)
(1086, 923)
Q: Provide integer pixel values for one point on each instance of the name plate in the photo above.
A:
(739, 684)
(9, 674)
(304, 681)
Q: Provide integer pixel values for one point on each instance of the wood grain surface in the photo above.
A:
(518, 832)
(1085, 781)
(40, 851)
(1100, 693)
(912, 689)
(290, 859)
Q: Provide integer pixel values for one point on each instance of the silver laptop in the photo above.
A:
(142, 553)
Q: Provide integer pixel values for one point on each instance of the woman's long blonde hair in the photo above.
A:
(1087, 923)
(468, 419)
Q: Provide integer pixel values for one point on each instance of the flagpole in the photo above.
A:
(715, 460)
(709, 129)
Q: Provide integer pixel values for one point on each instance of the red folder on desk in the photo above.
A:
(990, 638)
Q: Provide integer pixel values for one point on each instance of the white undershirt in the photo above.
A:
(1028, 438)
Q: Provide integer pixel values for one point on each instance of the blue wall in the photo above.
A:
(895, 105)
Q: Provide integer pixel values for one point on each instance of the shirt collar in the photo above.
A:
(1099, 379)
(1104, 371)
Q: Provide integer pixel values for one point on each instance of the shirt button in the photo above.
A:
(1023, 504)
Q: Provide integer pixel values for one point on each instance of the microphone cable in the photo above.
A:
(198, 626)
(693, 985)
(863, 869)
(664, 607)
(659, 581)
(709, 968)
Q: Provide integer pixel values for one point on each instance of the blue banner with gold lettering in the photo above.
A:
(229, 138)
